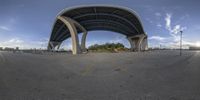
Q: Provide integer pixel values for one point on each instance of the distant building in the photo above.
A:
(194, 48)
(17, 48)
(9, 49)
(1, 48)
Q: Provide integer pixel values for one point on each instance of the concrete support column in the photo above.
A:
(51, 47)
(53, 44)
(138, 42)
(58, 46)
(83, 41)
(131, 43)
(73, 32)
(72, 24)
(144, 44)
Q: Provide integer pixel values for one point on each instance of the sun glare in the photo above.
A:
(198, 44)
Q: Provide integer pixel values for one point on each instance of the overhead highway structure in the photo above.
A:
(72, 21)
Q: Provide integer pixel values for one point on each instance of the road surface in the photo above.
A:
(155, 75)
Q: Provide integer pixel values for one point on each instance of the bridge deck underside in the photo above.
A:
(71, 22)
(99, 18)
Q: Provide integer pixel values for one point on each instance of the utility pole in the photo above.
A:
(181, 42)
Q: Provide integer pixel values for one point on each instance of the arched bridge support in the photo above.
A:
(138, 42)
(72, 21)
(72, 25)
(73, 32)
(52, 45)
(83, 41)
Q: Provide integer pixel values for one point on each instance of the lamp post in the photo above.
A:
(181, 42)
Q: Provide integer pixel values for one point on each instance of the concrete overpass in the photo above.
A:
(72, 21)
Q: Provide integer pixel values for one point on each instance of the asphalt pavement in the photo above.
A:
(152, 75)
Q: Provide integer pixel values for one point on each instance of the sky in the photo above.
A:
(28, 23)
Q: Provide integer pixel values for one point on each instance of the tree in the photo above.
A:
(107, 47)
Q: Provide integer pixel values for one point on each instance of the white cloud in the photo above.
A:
(159, 25)
(118, 39)
(22, 44)
(14, 42)
(173, 30)
(158, 14)
(5, 28)
(177, 28)
(42, 41)
(185, 44)
(9, 24)
(168, 21)
(89, 43)
(173, 40)
(158, 38)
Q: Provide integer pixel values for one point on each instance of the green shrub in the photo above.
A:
(107, 47)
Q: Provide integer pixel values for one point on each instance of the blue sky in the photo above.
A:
(28, 23)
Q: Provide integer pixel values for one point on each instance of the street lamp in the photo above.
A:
(181, 42)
